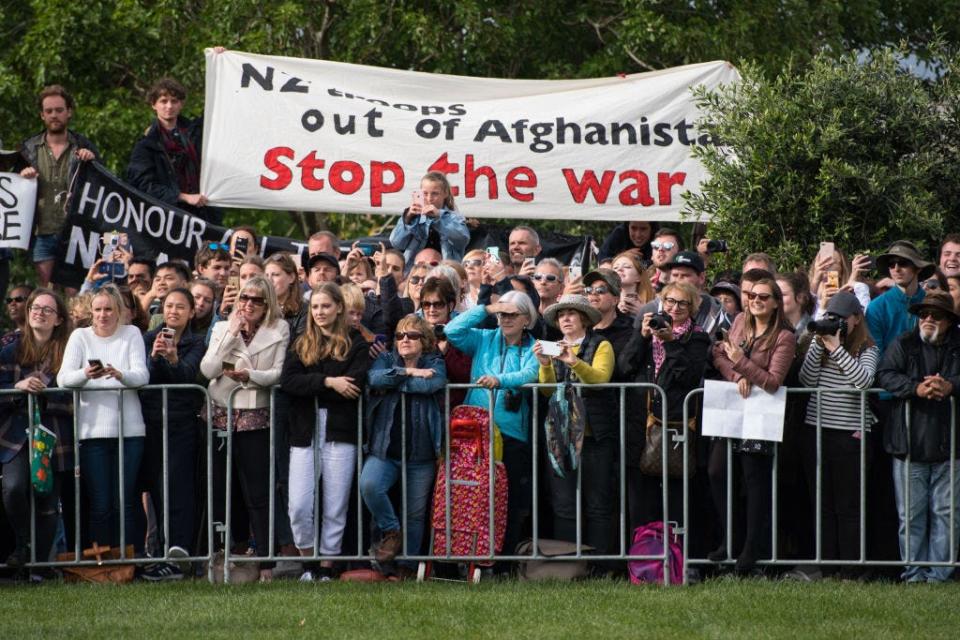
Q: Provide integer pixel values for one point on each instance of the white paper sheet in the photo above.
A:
(757, 417)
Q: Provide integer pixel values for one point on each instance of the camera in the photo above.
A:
(717, 246)
(828, 326)
(512, 401)
(660, 321)
(438, 332)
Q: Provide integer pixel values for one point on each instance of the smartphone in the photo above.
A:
(241, 244)
(228, 366)
(380, 338)
(168, 334)
(529, 262)
(551, 348)
(494, 253)
(234, 281)
(115, 270)
(367, 249)
(418, 197)
(833, 279)
(826, 250)
(574, 272)
(96, 364)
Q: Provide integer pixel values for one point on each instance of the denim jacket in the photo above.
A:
(387, 379)
(412, 238)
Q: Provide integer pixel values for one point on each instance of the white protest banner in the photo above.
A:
(729, 415)
(289, 133)
(18, 198)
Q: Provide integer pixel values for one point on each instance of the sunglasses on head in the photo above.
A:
(407, 335)
(257, 300)
(666, 246)
(546, 277)
(16, 299)
(218, 245)
(762, 296)
(934, 314)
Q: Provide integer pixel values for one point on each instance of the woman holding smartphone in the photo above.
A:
(324, 374)
(104, 361)
(635, 288)
(174, 358)
(30, 363)
(431, 209)
(243, 361)
(758, 351)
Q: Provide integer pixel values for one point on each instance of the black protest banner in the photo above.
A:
(100, 202)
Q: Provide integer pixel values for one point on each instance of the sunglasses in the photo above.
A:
(473, 263)
(600, 290)
(507, 316)
(407, 335)
(898, 263)
(683, 304)
(16, 299)
(417, 279)
(931, 284)
(432, 305)
(257, 300)
(934, 314)
(665, 246)
(762, 296)
(545, 277)
(218, 245)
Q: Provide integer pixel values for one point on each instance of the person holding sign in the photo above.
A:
(53, 157)
(165, 162)
(758, 351)
(431, 220)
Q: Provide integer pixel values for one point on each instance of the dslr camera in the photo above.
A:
(717, 246)
(660, 321)
(829, 325)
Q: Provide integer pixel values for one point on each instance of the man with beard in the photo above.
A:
(921, 369)
(53, 157)
(524, 243)
(665, 245)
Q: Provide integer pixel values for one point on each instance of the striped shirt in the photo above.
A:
(839, 370)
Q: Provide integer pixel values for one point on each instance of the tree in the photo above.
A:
(854, 150)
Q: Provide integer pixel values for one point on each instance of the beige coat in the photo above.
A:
(263, 358)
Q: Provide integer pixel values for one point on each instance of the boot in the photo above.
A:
(390, 545)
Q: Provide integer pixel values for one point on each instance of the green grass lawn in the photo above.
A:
(599, 609)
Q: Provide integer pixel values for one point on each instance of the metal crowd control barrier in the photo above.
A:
(76, 395)
(818, 559)
(680, 438)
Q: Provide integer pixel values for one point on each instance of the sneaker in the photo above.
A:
(307, 576)
(323, 574)
(162, 571)
(177, 552)
(389, 545)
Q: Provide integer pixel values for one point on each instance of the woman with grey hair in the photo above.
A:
(246, 354)
(503, 361)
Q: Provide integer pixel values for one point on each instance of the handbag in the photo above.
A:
(101, 573)
(651, 460)
(44, 442)
(533, 570)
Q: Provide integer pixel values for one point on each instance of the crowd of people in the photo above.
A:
(337, 363)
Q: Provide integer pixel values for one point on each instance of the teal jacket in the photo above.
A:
(513, 366)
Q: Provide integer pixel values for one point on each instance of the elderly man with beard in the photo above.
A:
(921, 368)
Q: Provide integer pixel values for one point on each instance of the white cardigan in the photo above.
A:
(98, 415)
(263, 357)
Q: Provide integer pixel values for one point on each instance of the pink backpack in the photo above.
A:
(648, 541)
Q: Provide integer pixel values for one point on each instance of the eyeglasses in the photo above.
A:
(256, 300)
(598, 290)
(665, 246)
(934, 314)
(680, 304)
(44, 311)
(431, 263)
(432, 305)
(407, 335)
(16, 299)
(545, 277)
(898, 263)
(417, 279)
(218, 245)
(762, 296)
(473, 263)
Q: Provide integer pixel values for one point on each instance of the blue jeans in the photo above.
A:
(99, 469)
(929, 518)
(376, 479)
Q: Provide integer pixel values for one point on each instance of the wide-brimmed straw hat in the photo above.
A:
(576, 302)
(906, 250)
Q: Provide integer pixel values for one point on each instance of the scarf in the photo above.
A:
(183, 156)
(659, 353)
